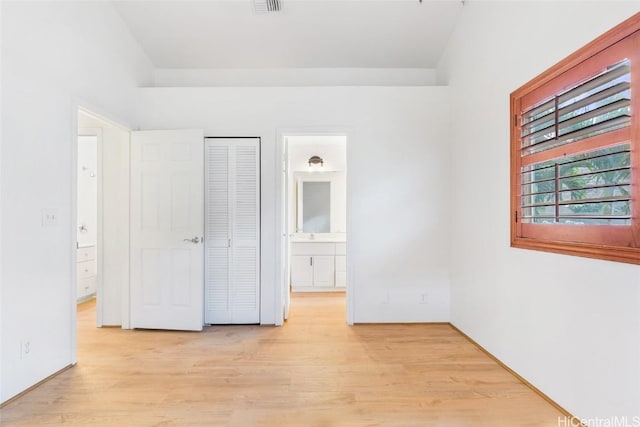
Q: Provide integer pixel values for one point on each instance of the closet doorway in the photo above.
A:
(315, 203)
(232, 230)
(195, 230)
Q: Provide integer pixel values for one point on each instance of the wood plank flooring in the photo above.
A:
(314, 371)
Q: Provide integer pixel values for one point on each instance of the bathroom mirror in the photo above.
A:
(316, 207)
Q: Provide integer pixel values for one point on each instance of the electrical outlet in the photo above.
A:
(423, 298)
(49, 217)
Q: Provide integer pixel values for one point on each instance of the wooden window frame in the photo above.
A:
(608, 242)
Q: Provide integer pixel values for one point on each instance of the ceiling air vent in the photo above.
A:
(263, 6)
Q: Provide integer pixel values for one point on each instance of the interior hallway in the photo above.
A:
(314, 371)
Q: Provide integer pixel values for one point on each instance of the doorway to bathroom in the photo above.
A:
(101, 206)
(315, 229)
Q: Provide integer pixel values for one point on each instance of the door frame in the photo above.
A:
(77, 106)
(281, 220)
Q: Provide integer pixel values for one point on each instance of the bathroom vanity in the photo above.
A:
(318, 265)
(318, 250)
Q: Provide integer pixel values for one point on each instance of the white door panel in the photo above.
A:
(245, 303)
(301, 270)
(217, 292)
(167, 207)
(323, 271)
(217, 234)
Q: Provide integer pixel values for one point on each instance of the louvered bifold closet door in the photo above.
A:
(246, 238)
(232, 241)
(217, 234)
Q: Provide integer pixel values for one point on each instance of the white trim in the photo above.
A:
(91, 111)
(350, 288)
(125, 292)
(78, 106)
(281, 134)
(73, 226)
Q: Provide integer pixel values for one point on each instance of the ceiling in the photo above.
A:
(307, 34)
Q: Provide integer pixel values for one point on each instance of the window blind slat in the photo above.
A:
(621, 104)
(585, 185)
(612, 217)
(593, 187)
(547, 121)
(596, 97)
(612, 74)
(601, 104)
(537, 125)
(594, 172)
(535, 113)
(595, 200)
(578, 134)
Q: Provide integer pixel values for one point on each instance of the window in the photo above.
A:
(575, 152)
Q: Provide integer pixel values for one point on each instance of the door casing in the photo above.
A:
(282, 234)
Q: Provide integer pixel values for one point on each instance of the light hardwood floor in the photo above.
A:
(314, 371)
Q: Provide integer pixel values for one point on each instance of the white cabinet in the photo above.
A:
(323, 271)
(86, 273)
(312, 271)
(341, 271)
(302, 270)
(341, 265)
(315, 266)
(232, 230)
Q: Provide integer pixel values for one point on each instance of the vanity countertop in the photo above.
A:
(318, 239)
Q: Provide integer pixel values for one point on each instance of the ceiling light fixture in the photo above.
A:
(316, 160)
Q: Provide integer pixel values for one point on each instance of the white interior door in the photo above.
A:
(167, 207)
(232, 230)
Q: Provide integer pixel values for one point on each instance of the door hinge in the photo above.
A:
(515, 120)
(515, 216)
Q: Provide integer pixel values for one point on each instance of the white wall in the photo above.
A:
(398, 161)
(1, 139)
(569, 325)
(114, 182)
(332, 150)
(54, 54)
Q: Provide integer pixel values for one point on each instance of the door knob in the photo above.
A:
(194, 240)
